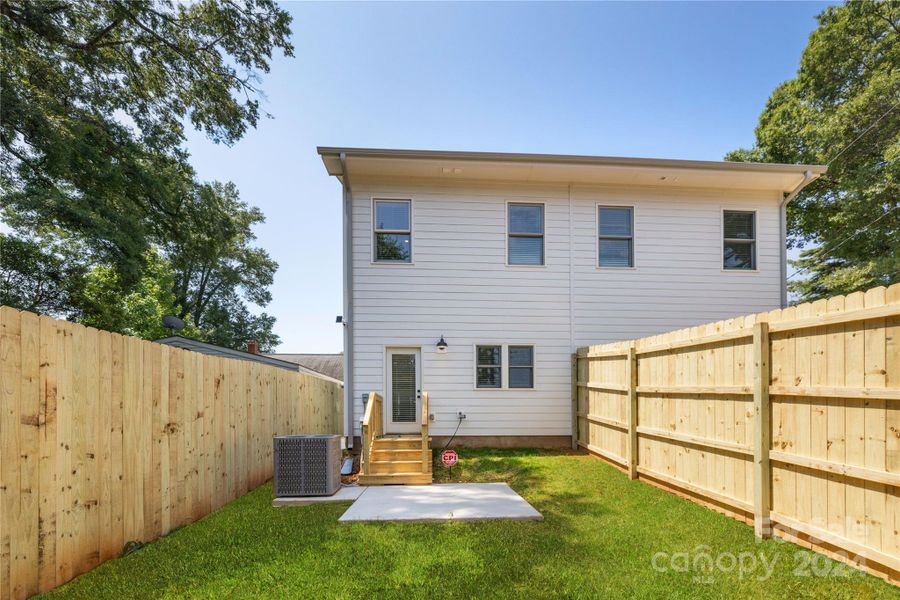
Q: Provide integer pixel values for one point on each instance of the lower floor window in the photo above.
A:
(504, 366)
(489, 366)
(521, 367)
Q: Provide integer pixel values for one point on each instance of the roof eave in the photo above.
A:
(226, 352)
(331, 159)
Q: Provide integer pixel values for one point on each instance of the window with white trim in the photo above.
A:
(525, 232)
(521, 366)
(392, 231)
(488, 366)
(739, 244)
(615, 236)
(504, 366)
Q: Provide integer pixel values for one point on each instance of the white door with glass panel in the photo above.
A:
(404, 391)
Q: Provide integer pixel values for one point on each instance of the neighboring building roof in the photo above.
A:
(213, 350)
(330, 365)
(563, 168)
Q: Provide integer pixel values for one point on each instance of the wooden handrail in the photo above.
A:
(426, 451)
(372, 428)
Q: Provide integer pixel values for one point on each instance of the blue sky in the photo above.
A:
(672, 80)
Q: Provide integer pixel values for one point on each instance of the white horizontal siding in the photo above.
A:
(460, 287)
(678, 278)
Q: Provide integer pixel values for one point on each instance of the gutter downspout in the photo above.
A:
(348, 301)
(571, 273)
(808, 177)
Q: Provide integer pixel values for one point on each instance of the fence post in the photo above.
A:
(762, 474)
(575, 401)
(631, 379)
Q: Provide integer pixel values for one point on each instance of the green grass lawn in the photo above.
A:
(599, 537)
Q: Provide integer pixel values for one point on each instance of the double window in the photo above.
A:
(525, 229)
(393, 231)
(615, 236)
(739, 243)
(489, 367)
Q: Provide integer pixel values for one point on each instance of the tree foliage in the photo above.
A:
(842, 108)
(138, 312)
(216, 268)
(39, 274)
(212, 252)
(94, 98)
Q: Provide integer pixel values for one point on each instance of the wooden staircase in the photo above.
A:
(393, 459)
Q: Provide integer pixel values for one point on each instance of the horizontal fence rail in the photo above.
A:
(789, 420)
(107, 439)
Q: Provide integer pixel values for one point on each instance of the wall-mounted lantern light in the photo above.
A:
(442, 345)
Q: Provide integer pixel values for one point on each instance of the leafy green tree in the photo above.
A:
(842, 108)
(39, 274)
(212, 253)
(224, 319)
(215, 267)
(94, 98)
(138, 312)
(227, 322)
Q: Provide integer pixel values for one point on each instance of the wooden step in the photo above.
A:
(397, 443)
(411, 437)
(396, 479)
(379, 453)
(388, 467)
(397, 459)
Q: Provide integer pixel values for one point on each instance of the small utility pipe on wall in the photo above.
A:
(348, 301)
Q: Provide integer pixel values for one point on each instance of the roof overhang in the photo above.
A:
(212, 350)
(364, 163)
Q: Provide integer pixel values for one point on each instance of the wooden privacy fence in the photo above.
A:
(106, 439)
(788, 419)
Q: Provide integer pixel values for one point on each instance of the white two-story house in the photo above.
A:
(474, 276)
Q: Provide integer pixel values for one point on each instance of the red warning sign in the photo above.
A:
(449, 458)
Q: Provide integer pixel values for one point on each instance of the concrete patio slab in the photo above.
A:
(440, 502)
(347, 493)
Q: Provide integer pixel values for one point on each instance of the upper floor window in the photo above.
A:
(739, 247)
(393, 231)
(615, 230)
(525, 226)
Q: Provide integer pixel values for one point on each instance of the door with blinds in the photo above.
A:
(404, 391)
